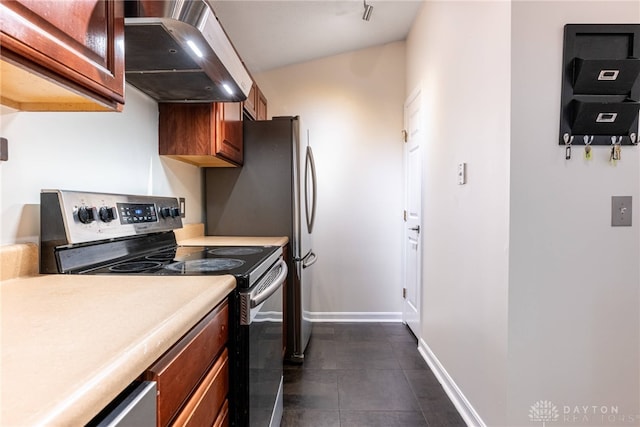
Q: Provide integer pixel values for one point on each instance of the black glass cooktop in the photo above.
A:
(239, 261)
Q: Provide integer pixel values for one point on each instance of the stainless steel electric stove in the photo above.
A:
(116, 234)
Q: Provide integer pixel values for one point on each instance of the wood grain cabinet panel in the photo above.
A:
(78, 45)
(228, 141)
(203, 134)
(261, 106)
(223, 416)
(250, 103)
(255, 106)
(180, 371)
(203, 407)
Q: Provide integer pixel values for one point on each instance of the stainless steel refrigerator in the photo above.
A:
(272, 194)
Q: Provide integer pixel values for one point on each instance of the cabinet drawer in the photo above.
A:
(180, 370)
(202, 409)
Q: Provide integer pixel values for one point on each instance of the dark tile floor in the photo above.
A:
(364, 375)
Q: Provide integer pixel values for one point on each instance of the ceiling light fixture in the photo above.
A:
(367, 11)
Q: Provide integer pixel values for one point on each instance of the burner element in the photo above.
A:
(205, 265)
(162, 256)
(134, 267)
(236, 250)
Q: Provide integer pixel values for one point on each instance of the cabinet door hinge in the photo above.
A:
(404, 293)
(404, 215)
(404, 135)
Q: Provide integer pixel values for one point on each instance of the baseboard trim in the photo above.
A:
(464, 407)
(346, 316)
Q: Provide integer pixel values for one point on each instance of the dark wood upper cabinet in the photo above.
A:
(207, 134)
(261, 107)
(250, 103)
(228, 142)
(255, 106)
(62, 55)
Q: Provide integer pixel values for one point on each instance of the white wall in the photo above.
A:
(352, 104)
(574, 283)
(458, 53)
(103, 152)
(529, 293)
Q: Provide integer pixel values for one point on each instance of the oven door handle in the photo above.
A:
(272, 288)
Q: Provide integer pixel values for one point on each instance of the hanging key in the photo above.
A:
(616, 149)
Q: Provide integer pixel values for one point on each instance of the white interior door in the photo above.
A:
(413, 214)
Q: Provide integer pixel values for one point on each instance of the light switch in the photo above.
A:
(462, 173)
(621, 211)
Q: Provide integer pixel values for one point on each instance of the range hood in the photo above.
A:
(177, 51)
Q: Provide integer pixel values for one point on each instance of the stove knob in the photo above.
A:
(85, 215)
(107, 214)
(165, 212)
(175, 212)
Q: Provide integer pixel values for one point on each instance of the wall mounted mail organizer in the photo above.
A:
(600, 101)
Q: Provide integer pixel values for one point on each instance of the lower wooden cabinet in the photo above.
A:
(193, 376)
(223, 416)
(205, 403)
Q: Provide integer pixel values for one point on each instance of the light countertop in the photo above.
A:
(234, 241)
(70, 344)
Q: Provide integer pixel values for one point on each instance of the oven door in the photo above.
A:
(261, 320)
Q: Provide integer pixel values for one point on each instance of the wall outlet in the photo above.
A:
(4, 149)
(621, 211)
(183, 207)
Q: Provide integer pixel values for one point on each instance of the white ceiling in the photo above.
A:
(270, 34)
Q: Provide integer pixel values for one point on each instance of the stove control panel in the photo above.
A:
(136, 213)
(88, 217)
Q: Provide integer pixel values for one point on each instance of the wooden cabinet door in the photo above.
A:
(261, 107)
(250, 102)
(186, 129)
(208, 134)
(223, 416)
(228, 141)
(203, 407)
(79, 44)
(181, 369)
(255, 106)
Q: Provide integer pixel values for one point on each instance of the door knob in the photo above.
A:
(416, 229)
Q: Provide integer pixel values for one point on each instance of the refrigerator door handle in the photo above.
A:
(309, 260)
(310, 167)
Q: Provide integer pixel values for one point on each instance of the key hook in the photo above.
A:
(567, 143)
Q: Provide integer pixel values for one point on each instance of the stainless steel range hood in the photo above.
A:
(177, 51)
